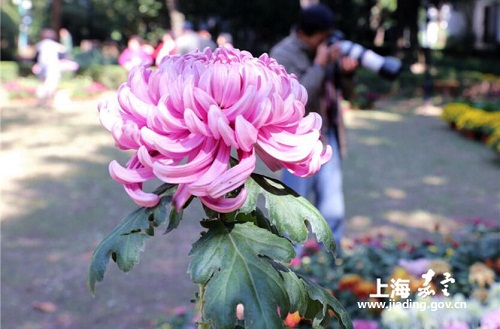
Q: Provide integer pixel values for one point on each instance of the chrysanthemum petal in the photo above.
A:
(214, 115)
(138, 81)
(194, 124)
(178, 147)
(227, 134)
(246, 134)
(218, 168)
(225, 205)
(271, 162)
(189, 172)
(234, 177)
(181, 196)
(284, 152)
(129, 175)
(140, 197)
(127, 136)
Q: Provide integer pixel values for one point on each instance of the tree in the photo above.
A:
(9, 21)
(176, 17)
(256, 25)
(407, 19)
(353, 19)
(55, 17)
(101, 19)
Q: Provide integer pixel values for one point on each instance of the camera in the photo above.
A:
(386, 66)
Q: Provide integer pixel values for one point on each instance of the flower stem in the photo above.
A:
(202, 323)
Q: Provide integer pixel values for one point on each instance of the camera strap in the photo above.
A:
(332, 108)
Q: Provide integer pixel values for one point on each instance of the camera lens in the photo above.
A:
(387, 67)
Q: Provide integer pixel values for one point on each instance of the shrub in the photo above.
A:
(484, 123)
(82, 87)
(468, 256)
(79, 87)
(493, 140)
(9, 71)
(111, 76)
(9, 26)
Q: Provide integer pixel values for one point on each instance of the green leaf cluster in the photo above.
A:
(289, 212)
(241, 263)
(125, 243)
(240, 258)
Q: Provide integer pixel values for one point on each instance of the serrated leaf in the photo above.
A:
(288, 211)
(174, 220)
(321, 301)
(314, 302)
(231, 260)
(296, 291)
(126, 242)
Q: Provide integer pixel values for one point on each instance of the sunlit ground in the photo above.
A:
(405, 175)
(45, 142)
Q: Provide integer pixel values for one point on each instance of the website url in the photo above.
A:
(422, 306)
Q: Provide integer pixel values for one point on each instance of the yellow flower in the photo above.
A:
(439, 266)
(481, 275)
(480, 294)
(293, 319)
(363, 289)
(432, 249)
(349, 281)
(306, 260)
(400, 273)
(467, 118)
(450, 252)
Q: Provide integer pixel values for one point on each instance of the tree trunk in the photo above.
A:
(56, 15)
(307, 3)
(407, 19)
(176, 17)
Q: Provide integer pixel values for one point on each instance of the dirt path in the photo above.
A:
(405, 173)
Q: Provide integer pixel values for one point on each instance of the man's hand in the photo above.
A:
(322, 55)
(348, 65)
(326, 54)
(334, 52)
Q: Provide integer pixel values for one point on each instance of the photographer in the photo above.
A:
(319, 67)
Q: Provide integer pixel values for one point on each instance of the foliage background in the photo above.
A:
(255, 24)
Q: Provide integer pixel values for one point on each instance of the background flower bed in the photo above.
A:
(477, 113)
(88, 82)
(471, 254)
(79, 88)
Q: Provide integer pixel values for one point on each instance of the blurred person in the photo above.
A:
(206, 40)
(189, 40)
(110, 52)
(48, 66)
(225, 39)
(89, 54)
(66, 59)
(167, 46)
(135, 54)
(307, 54)
(147, 48)
(66, 40)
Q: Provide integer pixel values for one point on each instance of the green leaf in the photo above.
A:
(288, 211)
(296, 291)
(232, 261)
(320, 302)
(313, 301)
(125, 243)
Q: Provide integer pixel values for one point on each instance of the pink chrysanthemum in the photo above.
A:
(184, 117)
